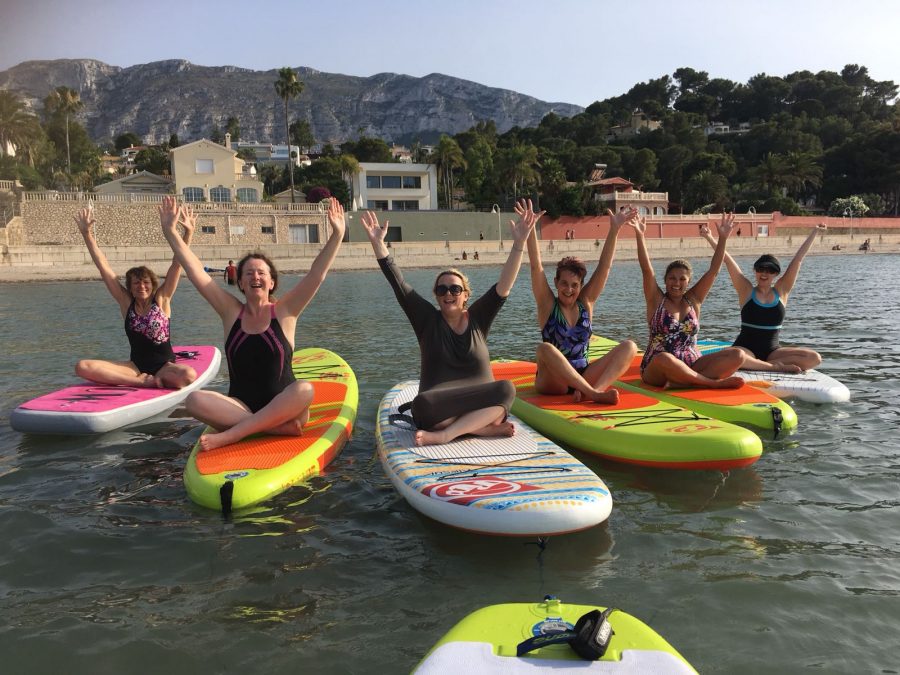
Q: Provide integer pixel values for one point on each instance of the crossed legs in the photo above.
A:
(555, 375)
(715, 371)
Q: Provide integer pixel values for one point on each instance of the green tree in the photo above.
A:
(233, 127)
(173, 141)
(349, 167)
(126, 140)
(706, 189)
(288, 87)
(216, 135)
(447, 156)
(479, 171)
(302, 135)
(17, 127)
(848, 206)
(66, 102)
(802, 172)
(771, 175)
(368, 150)
(153, 159)
(517, 168)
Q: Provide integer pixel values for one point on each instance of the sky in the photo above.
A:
(571, 51)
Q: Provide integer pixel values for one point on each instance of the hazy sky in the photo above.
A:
(574, 51)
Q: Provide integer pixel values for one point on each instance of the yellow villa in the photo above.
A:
(208, 172)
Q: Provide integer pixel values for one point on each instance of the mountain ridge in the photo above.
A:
(159, 98)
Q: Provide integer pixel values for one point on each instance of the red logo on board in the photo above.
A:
(467, 491)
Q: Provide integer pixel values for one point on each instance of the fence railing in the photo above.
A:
(207, 207)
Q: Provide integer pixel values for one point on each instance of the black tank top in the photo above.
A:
(259, 364)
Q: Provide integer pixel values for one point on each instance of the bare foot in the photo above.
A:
(213, 441)
(149, 381)
(501, 429)
(733, 382)
(609, 397)
(577, 396)
(786, 368)
(430, 438)
(290, 428)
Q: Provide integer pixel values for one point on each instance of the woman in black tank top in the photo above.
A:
(264, 396)
(763, 306)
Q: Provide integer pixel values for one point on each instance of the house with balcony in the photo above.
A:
(640, 122)
(615, 193)
(204, 171)
(392, 186)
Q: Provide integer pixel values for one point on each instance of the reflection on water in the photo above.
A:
(785, 562)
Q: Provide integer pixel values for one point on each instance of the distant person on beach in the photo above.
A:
(673, 316)
(565, 321)
(457, 391)
(230, 273)
(465, 256)
(763, 308)
(475, 256)
(146, 307)
(865, 246)
(263, 395)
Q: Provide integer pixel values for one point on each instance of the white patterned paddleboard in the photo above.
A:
(521, 485)
(812, 386)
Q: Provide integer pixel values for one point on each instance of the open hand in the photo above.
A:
(725, 226)
(639, 224)
(85, 221)
(623, 216)
(375, 232)
(522, 227)
(336, 216)
(168, 214)
(188, 220)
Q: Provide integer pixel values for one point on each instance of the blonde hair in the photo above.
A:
(455, 272)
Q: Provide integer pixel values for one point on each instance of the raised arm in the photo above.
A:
(652, 291)
(188, 220)
(296, 299)
(540, 288)
(85, 221)
(742, 284)
(700, 290)
(785, 284)
(221, 300)
(521, 229)
(595, 285)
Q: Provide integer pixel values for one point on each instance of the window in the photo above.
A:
(414, 182)
(644, 211)
(208, 229)
(193, 194)
(219, 194)
(390, 182)
(405, 205)
(204, 166)
(373, 181)
(377, 204)
(247, 196)
(304, 234)
(268, 229)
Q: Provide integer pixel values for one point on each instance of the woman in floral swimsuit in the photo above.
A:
(673, 315)
(146, 308)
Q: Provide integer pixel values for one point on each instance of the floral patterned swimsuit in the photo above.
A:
(572, 341)
(148, 336)
(678, 338)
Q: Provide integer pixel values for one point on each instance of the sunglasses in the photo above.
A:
(442, 289)
(766, 268)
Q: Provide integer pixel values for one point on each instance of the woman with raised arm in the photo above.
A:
(457, 391)
(565, 322)
(263, 395)
(146, 307)
(673, 315)
(763, 307)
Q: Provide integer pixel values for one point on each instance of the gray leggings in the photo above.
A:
(436, 405)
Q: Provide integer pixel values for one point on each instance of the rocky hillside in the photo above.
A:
(157, 99)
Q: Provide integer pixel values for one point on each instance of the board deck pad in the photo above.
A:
(519, 485)
(262, 466)
(638, 429)
(87, 407)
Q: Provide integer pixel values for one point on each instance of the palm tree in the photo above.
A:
(16, 126)
(517, 167)
(64, 101)
(349, 168)
(771, 175)
(287, 86)
(802, 172)
(447, 156)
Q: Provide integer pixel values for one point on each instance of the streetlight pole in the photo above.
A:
(496, 209)
(849, 213)
(752, 213)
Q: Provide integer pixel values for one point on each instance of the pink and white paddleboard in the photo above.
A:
(89, 408)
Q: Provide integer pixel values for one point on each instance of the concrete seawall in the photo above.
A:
(59, 262)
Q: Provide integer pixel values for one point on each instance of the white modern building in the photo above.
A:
(395, 187)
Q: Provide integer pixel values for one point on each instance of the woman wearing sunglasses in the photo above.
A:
(565, 322)
(763, 307)
(457, 391)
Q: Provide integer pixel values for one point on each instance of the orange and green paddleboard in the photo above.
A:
(259, 467)
(639, 429)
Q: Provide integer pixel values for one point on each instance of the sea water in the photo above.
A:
(107, 567)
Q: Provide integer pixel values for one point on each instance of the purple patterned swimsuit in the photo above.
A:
(678, 338)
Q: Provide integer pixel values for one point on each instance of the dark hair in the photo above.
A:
(767, 260)
(573, 265)
(682, 263)
(273, 272)
(140, 273)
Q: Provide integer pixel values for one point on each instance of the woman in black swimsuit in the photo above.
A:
(457, 391)
(763, 307)
(259, 340)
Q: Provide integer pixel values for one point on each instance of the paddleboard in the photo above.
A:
(259, 467)
(812, 386)
(90, 408)
(486, 641)
(745, 405)
(521, 485)
(637, 430)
